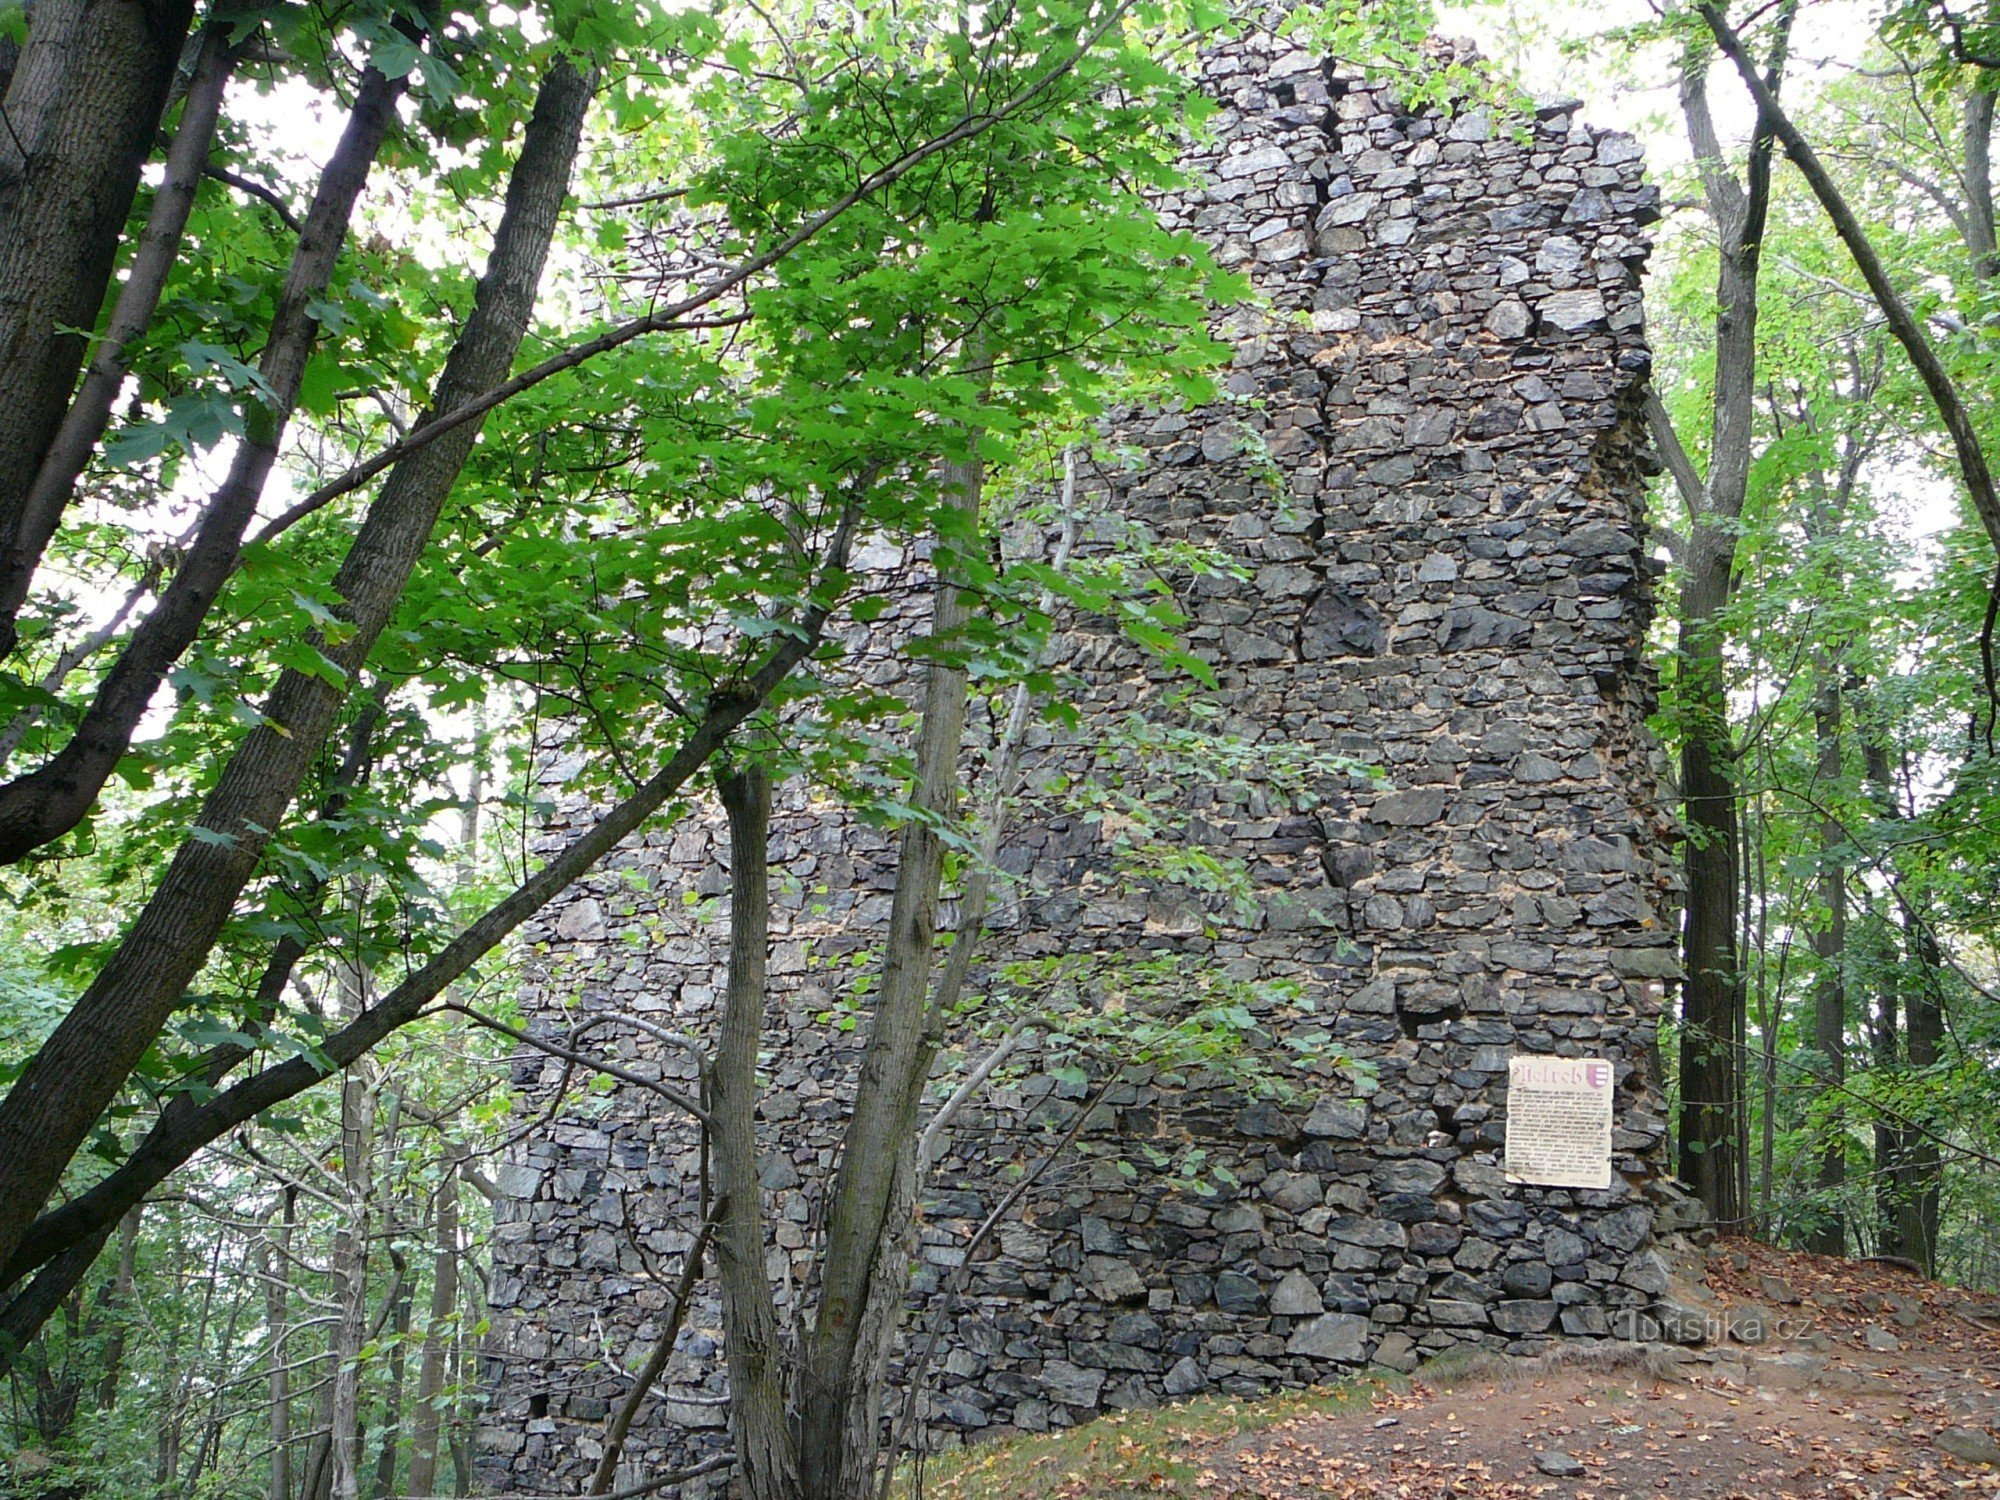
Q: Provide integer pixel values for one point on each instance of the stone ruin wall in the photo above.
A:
(1453, 587)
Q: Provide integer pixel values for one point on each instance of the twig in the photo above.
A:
(263, 194)
(581, 1059)
(656, 1361)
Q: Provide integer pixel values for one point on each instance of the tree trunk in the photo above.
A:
(82, 109)
(1770, 1017)
(209, 1449)
(767, 1463)
(391, 1426)
(1712, 1151)
(1711, 995)
(113, 1306)
(350, 1266)
(464, 1471)
(428, 1416)
(278, 1324)
(1922, 1182)
(68, 451)
(1829, 1233)
(1979, 225)
(839, 1385)
(1885, 1047)
(77, 1072)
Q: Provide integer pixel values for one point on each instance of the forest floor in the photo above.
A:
(1866, 1382)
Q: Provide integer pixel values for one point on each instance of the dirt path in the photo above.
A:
(1864, 1382)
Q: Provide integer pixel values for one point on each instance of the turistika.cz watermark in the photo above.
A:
(1687, 1325)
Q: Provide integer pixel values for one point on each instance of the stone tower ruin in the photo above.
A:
(1432, 472)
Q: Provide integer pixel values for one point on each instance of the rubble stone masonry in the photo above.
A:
(1430, 466)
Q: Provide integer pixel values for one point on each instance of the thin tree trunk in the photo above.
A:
(69, 450)
(1917, 1213)
(82, 109)
(57, 1099)
(319, 1458)
(873, 1189)
(278, 1323)
(475, 796)
(767, 1463)
(1829, 1232)
(1770, 1015)
(463, 1469)
(178, 1385)
(211, 1433)
(1885, 1044)
(391, 1436)
(114, 1307)
(350, 1260)
(1979, 224)
(427, 1419)
(1710, 1078)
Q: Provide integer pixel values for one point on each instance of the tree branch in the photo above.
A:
(1930, 369)
(255, 189)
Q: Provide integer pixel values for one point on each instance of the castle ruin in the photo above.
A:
(1432, 470)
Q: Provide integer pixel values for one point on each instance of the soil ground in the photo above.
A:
(1865, 1381)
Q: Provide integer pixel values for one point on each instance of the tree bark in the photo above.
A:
(82, 109)
(79, 1070)
(1922, 1180)
(1979, 224)
(68, 451)
(114, 1305)
(767, 1463)
(44, 804)
(839, 1388)
(1829, 1232)
(1886, 1052)
(1711, 995)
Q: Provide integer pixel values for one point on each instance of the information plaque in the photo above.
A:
(1559, 1121)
